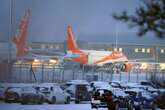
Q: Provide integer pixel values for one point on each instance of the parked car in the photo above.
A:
(116, 84)
(31, 95)
(12, 94)
(53, 93)
(160, 100)
(2, 91)
(119, 93)
(161, 90)
(131, 85)
(79, 92)
(141, 99)
(147, 83)
(102, 98)
(121, 99)
(73, 82)
(100, 84)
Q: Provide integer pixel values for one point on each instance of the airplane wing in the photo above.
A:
(47, 56)
(112, 58)
(46, 52)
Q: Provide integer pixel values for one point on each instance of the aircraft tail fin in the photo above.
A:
(71, 42)
(20, 40)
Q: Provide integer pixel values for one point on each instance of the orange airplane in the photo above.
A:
(93, 57)
(24, 53)
(20, 40)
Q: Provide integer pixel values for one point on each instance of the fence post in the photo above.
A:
(20, 73)
(101, 76)
(42, 73)
(31, 75)
(73, 72)
(83, 73)
(129, 76)
(53, 80)
(63, 74)
(137, 80)
(120, 76)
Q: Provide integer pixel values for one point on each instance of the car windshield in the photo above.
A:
(14, 88)
(131, 93)
(1, 88)
(105, 92)
(43, 89)
(114, 84)
(119, 93)
(146, 94)
(146, 83)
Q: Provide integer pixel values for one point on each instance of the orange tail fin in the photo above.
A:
(71, 42)
(20, 40)
(72, 46)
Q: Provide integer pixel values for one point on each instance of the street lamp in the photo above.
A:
(162, 66)
(10, 31)
(144, 66)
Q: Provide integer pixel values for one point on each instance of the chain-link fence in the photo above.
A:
(26, 73)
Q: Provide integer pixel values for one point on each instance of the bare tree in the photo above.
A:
(149, 17)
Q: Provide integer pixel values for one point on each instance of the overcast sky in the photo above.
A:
(91, 20)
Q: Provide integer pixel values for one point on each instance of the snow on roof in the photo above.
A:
(16, 84)
(135, 90)
(102, 85)
(119, 92)
(78, 82)
(47, 84)
(162, 90)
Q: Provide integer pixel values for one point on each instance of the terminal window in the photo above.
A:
(143, 50)
(148, 50)
(136, 50)
(161, 50)
(120, 49)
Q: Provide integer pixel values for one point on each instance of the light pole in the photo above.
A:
(10, 31)
(9, 66)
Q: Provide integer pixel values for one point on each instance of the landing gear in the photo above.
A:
(114, 68)
(118, 67)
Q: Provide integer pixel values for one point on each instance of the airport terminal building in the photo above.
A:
(132, 51)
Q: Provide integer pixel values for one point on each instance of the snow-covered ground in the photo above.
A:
(47, 107)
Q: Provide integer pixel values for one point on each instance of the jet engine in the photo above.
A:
(126, 67)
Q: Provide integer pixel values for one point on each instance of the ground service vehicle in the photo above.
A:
(102, 98)
(79, 92)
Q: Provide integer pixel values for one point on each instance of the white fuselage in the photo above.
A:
(94, 56)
